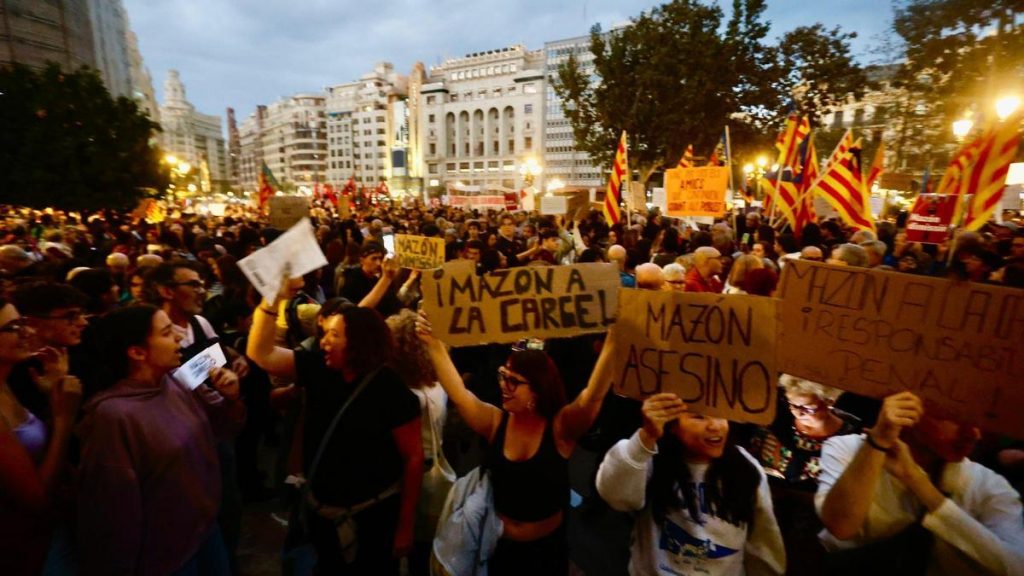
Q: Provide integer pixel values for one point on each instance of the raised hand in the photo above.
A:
(226, 382)
(898, 411)
(55, 368)
(657, 411)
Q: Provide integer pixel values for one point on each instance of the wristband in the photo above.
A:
(876, 445)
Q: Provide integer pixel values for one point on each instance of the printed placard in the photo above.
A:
(295, 252)
(197, 369)
(419, 252)
(285, 211)
(525, 302)
(716, 352)
(554, 205)
(930, 218)
(696, 191)
(957, 345)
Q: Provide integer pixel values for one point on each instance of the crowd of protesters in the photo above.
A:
(109, 464)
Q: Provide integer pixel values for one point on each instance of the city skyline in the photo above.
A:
(230, 56)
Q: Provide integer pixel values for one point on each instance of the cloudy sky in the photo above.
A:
(242, 53)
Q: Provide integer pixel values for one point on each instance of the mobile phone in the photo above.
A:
(389, 244)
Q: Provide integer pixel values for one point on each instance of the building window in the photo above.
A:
(527, 108)
(433, 149)
(528, 143)
(511, 146)
(431, 99)
(432, 168)
(430, 118)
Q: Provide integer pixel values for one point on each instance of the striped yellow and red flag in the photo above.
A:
(842, 185)
(805, 205)
(789, 140)
(985, 177)
(616, 182)
(785, 194)
(877, 166)
(687, 160)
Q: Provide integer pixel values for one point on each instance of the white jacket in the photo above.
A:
(680, 545)
(978, 529)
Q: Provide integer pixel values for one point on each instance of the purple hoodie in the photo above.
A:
(150, 478)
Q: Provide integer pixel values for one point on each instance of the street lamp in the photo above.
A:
(529, 170)
(756, 171)
(962, 127)
(555, 184)
(1006, 106)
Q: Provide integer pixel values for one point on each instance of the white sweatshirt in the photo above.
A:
(680, 545)
(978, 529)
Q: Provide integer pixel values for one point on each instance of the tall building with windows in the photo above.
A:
(141, 81)
(562, 159)
(34, 33)
(480, 117)
(290, 136)
(368, 130)
(193, 137)
(109, 23)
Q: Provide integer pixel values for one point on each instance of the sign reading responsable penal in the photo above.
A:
(958, 345)
(419, 252)
(716, 352)
(526, 302)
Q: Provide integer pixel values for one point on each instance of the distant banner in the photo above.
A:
(717, 352)
(285, 211)
(958, 345)
(526, 302)
(931, 217)
(419, 252)
(696, 191)
(477, 202)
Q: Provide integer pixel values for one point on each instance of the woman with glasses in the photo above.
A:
(531, 436)
(32, 454)
(790, 451)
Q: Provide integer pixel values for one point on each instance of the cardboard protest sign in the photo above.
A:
(696, 191)
(516, 303)
(419, 251)
(287, 210)
(930, 218)
(957, 345)
(717, 352)
(554, 205)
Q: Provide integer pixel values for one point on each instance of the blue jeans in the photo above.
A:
(210, 560)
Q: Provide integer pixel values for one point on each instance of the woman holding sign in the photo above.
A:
(150, 479)
(704, 504)
(531, 437)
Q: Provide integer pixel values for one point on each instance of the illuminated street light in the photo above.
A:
(1007, 105)
(962, 127)
(171, 159)
(762, 162)
(748, 169)
(529, 170)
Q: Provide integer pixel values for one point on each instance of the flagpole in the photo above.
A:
(728, 162)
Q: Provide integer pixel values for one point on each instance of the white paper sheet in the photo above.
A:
(294, 253)
(197, 369)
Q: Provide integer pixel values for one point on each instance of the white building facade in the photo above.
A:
(109, 23)
(290, 136)
(193, 137)
(562, 160)
(480, 117)
(367, 130)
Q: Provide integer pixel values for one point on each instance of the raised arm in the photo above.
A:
(576, 418)
(389, 270)
(482, 417)
(276, 360)
(848, 500)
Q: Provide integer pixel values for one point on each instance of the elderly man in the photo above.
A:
(675, 276)
(849, 255)
(875, 250)
(812, 253)
(703, 276)
(904, 499)
(617, 255)
(649, 276)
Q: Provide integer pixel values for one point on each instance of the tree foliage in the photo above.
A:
(65, 142)
(961, 54)
(676, 75)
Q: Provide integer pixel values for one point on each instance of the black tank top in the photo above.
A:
(533, 489)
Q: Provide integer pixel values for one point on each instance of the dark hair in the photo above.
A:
(122, 329)
(591, 254)
(95, 283)
(730, 483)
(544, 379)
(41, 298)
(371, 248)
(788, 242)
(548, 233)
(760, 282)
(163, 275)
(474, 245)
(369, 342)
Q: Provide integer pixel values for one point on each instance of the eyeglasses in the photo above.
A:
(505, 378)
(804, 409)
(193, 284)
(14, 326)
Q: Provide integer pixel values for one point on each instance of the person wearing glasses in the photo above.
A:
(790, 452)
(531, 436)
(33, 453)
(703, 275)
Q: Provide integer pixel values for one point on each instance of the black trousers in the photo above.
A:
(375, 532)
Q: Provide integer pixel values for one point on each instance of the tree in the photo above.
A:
(675, 76)
(961, 54)
(66, 143)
